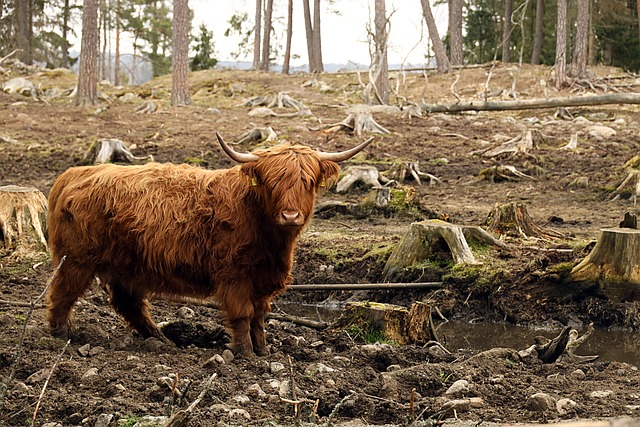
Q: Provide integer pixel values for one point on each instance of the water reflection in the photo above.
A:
(610, 345)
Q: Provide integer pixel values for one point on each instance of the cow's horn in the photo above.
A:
(344, 155)
(238, 157)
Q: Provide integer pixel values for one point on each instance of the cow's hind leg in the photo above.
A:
(257, 327)
(70, 283)
(135, 310)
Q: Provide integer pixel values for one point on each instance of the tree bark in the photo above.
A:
(116, 66)
(266, 36)
(22, 10)
(455, 32)
(317, 39)
(287, 52)
(526, 104)
(438, 47)
(22, 209)
(579, 62)
(257, 29)
(638, 13)
(561, 45)
(66, 12)
(537, 39)
(88, 73)
(506, 31)
(308, 27)
(380, 66)
(180, 61)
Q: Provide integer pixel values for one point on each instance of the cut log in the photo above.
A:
(420, 328)
(512, 219)
(529, 104)
(358, 123)
(22, 218)
(374, 321)
(368, 175)
(613, 264)
(422, 240)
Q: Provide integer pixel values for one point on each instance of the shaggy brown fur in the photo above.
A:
(182, 230)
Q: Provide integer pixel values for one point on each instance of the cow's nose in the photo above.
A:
(292, 218)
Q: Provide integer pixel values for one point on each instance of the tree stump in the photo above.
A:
(513, 219)
(423, 240)
(369, 175)
(375, 322)
(112, 150)
(420, 328)
(22, 218)
(613, 264)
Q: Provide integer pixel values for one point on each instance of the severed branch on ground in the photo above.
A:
(402, 169)
(536, 103)
(357, 122)
(181, 418)
(499, 173)
(46, 383)
(521, 144)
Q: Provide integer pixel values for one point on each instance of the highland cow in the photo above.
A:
(167, 229)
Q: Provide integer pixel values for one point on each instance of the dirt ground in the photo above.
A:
(111, 376)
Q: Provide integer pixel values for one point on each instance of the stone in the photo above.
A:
(241, 399)
(313, 368)
(96, 350)
(540, 402)
(153, 344)
(600, 132)
(600, 394)
(151, 421)
(103, 420)
(275, 367)
(458, 389)
(213, 111)
(20, 388)
(84, 350)
(91, 372)
(38, 377)
(392, 368)
(255, 391)
(565, 407)
(239, 415)
(228, 356)
(457, 405)
(186, 313)
(578, 374)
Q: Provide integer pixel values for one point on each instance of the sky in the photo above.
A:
(343, 28)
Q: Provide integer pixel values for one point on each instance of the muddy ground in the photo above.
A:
(111, 376)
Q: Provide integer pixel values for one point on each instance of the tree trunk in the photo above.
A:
(103, 68)
(455, 32)
(613, 264)
(506, 31)
(638, 13)
(579, 61)
(65, 34)
(266, 36)
(116, 72)
(308, 27)
(561, 45)
(22, 209)
(180, 60)
(379, 66)
(22, 31)
(88, 73)
(438, 47)
(317, 39)
(287, 52)
(257, 35)
(537, 40)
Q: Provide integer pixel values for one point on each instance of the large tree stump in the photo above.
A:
(613, 264)
(420, 328)
(22, 218)
(424, 239)
(513, 220)
(372, 321)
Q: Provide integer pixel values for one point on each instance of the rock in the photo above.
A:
(129, 97)
(213, 111)
(392, 368)
(91, 372)
(540, 402)
(565, 407)
(151, 421)
(255, 391)
(159, 368)
(578, 374)
(341, 360)
(239, 416)
(228, 356)
(103, 420)
(38, 377)
(600, 132)
(274, 384)
(153, 344)
(53, 424)
(84, 350)
(186, 313)
(600, 394)
(261, 112)
(293, 341)
(285, 390)
(316, 343)
(19, 85)
(241, 399)
(96, 350)
(133, 358)
(313, 368)
(458, 389)
(275, 367)
(20, 388)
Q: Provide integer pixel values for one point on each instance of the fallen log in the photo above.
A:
(365, 286)
(536, 103)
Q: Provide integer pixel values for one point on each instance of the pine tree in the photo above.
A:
(203, 59)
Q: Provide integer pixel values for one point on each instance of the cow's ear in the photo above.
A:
(330, 171)
(249, 170)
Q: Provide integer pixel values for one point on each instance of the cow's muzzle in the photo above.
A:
(290, 219)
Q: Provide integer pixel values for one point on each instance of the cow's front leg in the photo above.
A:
(257, 327)
(240, 337)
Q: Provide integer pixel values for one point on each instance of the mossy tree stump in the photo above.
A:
(512, 219)
(22, 218)
(424, 239)
(613, 264)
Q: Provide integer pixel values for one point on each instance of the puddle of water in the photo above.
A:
(610, 345)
